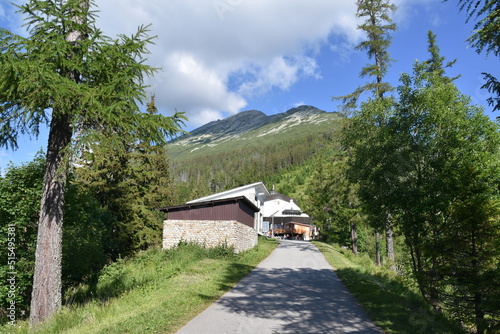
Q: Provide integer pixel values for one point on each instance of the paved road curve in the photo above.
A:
(294, 290)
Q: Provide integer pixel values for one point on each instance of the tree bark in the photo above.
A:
(46, 295)
(389, 241)
(354, 238)
(377, 248)
(46, 298)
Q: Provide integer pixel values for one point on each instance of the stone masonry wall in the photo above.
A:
(209, 233)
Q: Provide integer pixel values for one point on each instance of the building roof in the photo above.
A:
(190, 205)
(300, 224)
(227, 194)
(276, 196)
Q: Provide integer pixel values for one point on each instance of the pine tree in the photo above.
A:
(68, 74)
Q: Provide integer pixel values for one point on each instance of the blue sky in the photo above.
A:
(220, 57)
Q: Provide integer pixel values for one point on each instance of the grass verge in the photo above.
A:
(154, 292)
(394, 305)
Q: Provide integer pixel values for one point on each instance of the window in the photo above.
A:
(291, 212)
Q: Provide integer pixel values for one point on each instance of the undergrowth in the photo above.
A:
(154, 292)
(389, 299)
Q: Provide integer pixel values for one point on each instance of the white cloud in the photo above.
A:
(280, 73)
(298, 104)
(407, 10)
(216, 55)
(188, 85)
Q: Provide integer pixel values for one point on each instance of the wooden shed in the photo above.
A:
(238, 208)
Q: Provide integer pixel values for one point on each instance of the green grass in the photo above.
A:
(391, 302)
(159, 291)
(154, 292)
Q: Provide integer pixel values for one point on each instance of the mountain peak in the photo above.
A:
(248, 120)
(250, 127)
(237, 123)
(305, 109)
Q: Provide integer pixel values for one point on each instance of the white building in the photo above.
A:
(255, 192)
(280, 211)
(275, 209)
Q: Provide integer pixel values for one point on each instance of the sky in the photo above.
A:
(220, 57)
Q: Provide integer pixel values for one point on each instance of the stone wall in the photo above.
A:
(209, 233)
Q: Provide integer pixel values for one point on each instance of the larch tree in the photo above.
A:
(436, 63)
(69, 75)
(377, 26)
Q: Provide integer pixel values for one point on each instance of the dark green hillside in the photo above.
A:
(252, 128)
(280, 154)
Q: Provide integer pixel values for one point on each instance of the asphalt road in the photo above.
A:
(294, 290)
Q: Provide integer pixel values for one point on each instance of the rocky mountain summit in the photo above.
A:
(238, 123)
(251, 127)
(250, 120)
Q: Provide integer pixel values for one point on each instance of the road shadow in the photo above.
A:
(301, 300)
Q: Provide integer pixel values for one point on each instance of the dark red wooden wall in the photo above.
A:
(233, 210)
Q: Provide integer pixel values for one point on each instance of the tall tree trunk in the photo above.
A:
(378, 63)
(389, 241)
(46, 295)
(478, 298)
(377, 247)
(354, 238)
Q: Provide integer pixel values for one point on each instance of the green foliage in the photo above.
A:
(331, 200)
(120, 277)
(91, 221)
(154, 291)
(280, 163)
(440, 154)
(88, 231)
(391, 302)
(430, 160)
(87, 86)
(20, 192)
(98, 85)
(130, 177)
(377, 26)
(84, 242)
(486, 35)
(435, 63)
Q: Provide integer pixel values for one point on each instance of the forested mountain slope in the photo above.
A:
(250, 147)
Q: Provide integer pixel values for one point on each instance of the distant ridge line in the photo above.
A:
(245, 121)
